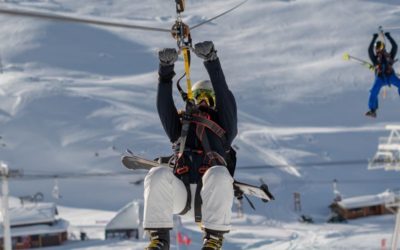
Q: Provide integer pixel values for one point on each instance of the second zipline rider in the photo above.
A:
(384, 73)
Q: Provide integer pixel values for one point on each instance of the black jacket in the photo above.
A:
(383, 62)
(225, 114)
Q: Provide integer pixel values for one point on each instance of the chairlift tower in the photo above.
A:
(388, 155)
(388, 158)
(6, 218)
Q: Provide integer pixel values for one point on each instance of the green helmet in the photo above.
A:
(204, 91)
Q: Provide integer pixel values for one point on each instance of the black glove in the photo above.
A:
(375, 35)
(167, 56)
(387, 34)
(206, 51)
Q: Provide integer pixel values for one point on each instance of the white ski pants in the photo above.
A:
(165, 195)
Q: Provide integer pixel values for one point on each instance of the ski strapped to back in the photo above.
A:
(134, 162)
(348, 57)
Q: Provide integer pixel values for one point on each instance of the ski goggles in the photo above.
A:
(204, 95)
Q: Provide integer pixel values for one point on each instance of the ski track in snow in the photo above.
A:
(251, 134)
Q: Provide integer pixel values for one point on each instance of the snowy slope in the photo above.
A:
(75, 96)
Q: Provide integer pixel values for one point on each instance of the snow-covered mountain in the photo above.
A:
(75, 96)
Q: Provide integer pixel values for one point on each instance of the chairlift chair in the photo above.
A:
(386, 159)
(388, 155)
(380, 160)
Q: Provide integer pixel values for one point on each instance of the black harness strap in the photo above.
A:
(188, 199)
(182, 139)
(197, 202)
(180, 167)
(182, 170)
(211, 158)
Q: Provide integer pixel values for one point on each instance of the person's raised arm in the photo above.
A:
(165, 104)
(225, 101)
(393, 51)
(371, 50)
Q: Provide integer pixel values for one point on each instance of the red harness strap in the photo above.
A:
(208, 123)
(182, 170)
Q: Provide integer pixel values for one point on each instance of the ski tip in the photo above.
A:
(265, 188)
(346, 56)
(129, 151)
(124, 159)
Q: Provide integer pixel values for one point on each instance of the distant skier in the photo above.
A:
(201, 182)
(384, 72)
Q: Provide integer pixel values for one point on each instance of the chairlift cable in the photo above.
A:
(309, 164)
(343, 181)
(299, 181)
(72, 175)
(68, 175)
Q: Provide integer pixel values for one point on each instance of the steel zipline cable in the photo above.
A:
(74, 19)
(97, 21)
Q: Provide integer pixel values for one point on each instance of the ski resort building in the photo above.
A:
(126, 224)
(362, 206)
(35, 226)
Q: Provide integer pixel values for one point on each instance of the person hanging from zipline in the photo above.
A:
(384, 72)
(201, 183)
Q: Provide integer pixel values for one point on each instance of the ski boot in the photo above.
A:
(371, 113)
(159, 239)
(212, 240)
